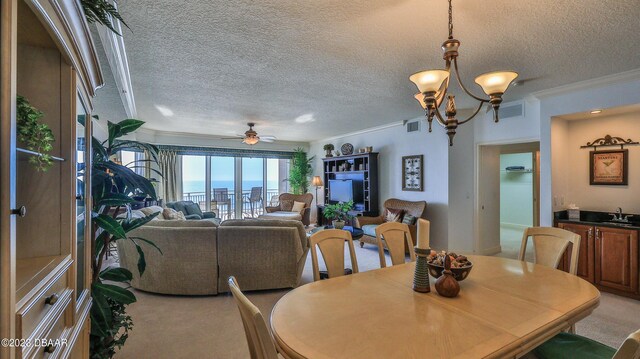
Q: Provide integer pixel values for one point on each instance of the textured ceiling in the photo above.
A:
(213, 65)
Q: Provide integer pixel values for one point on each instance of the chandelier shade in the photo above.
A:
(420, 98)
(496, 82)
(430, 80)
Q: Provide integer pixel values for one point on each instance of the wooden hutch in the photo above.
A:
(361, 168)
(49, 58)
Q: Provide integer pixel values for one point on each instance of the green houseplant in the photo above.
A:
(33, 134)
(328, 149)
(112, 189)
(102, 11)
(339, 213)
(300, 172)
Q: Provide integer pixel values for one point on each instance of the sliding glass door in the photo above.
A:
(233, 187)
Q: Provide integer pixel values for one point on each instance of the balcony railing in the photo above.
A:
(226, 210)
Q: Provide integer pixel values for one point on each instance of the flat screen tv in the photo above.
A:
(340, 190)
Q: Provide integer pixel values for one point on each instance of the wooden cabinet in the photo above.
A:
(616, 259)
(48, 57)
(361, 170)
(608, 257)
(585, 258)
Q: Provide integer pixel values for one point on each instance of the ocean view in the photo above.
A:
(199, 186)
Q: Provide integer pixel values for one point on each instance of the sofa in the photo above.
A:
(190, 209)
(285, 205)
(198, 256)
(368, 225)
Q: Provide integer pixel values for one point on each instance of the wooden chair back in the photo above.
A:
(395, 235)
(331, 245)
(630, 348)
(261, 345)
(549, 244)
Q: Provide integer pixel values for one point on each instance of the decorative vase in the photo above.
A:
(421, 273)
(329, 154)
(338, 224)
(447, 285)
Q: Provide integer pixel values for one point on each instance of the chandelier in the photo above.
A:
(434, 84)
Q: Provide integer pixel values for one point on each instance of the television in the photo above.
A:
(345, 190)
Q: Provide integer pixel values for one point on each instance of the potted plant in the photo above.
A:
(338, 213)
(328, 148)
(300, 172)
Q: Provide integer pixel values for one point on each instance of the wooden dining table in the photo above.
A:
(505, 309)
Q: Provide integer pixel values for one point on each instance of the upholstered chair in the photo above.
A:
(368, 225)
(285, 204)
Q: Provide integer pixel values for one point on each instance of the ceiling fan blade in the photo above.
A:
(268, 138)
(231, 138)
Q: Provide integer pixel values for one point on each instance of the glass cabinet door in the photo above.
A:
(81, 210)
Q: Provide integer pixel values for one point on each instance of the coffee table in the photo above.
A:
(356, 233)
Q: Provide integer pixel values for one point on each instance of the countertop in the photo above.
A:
(601, 219)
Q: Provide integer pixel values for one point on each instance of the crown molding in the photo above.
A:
(627, 76)
(366, 130)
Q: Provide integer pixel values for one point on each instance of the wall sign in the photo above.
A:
(609, 167)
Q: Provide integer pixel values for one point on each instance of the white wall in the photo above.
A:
(392, 143)
(613, 91)
(575, 165)
(516, 190)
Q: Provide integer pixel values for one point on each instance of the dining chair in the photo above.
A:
(259, 339)
(565, 345)
(331, 245)
(395, 235)
(549, 244)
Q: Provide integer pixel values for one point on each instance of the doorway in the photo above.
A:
(508, 191)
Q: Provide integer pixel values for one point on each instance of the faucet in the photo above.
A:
(617, 217)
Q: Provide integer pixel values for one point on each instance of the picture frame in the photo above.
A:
(609, 168)
(413, 173)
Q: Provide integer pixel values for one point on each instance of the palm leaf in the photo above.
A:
(114, 292)
(116, 274)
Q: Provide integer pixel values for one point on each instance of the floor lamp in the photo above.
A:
(317, 181)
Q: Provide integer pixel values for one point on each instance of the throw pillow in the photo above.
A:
(409, 219)
(393, 215)
(298, 207)
(151, 210)
(286, 205)
(170, 213)
(192, 208)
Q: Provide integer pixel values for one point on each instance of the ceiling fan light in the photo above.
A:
(496, 82)
(430, 80)
(251, 140)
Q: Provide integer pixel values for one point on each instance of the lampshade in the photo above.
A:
(251, 140)
(496, 82)
(430, 80)
(317, 181)
(420, 98)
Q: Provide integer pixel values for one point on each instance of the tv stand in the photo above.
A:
(358, 167)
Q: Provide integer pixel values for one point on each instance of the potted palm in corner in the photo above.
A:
(338, 213)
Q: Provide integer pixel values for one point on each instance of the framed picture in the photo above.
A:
(412, 173)
(609, 167)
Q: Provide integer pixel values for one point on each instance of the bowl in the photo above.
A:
(459, 274)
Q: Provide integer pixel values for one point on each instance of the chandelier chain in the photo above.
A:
(450, 20)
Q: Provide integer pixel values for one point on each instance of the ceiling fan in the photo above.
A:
(251, 137)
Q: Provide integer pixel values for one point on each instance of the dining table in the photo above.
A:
(505, 309)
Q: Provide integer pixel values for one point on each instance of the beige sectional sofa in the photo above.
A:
(199, 256)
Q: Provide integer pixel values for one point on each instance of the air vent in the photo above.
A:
(413, 126)
(512, 110)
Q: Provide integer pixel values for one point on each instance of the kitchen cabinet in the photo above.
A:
(608, 257)
(616, 259)
(586, 268)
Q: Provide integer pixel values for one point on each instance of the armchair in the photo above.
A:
(369, 224)
(286, 204)
(190, 209)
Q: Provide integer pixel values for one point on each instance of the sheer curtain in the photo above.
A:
(171, 168)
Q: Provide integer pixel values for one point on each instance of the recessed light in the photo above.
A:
(595, 112)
